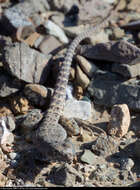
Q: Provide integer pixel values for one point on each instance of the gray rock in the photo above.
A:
(49, 44)
(14, 18)
(120, 51)
(73, 31)
(109, 92)
(88, 157)
(137, 149)
(86, 9)
(105, 146)
(28, 121)
(27, 64)
(66, 175)
(18, 15)
(105, 175)
(127, 71)
(132, 25)
(14, 163)
(8, 85)
(127, 164)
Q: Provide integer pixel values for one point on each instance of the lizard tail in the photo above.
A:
(58, 99)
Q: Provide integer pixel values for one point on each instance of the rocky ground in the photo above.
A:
(101, 115)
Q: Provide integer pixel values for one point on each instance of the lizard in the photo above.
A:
(50, 138)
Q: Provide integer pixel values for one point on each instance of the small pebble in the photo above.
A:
(127, 164)
(88, 157)
(14, 163)
(14, 155)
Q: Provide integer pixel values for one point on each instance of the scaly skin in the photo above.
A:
(50, 137)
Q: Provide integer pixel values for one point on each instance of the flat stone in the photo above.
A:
(49, 44)
(107, 92)
(88, 157)
(27, 64)
(14, 18)
(78, 109)
(86, 12)
(121, 51)
(55, 30)
(127, 71)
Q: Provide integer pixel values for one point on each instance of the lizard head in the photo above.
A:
(55, 151)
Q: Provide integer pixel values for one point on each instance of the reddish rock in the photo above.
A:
(120, 120)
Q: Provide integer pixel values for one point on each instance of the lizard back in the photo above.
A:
(47, 131)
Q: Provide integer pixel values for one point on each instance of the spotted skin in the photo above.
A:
(50, 137)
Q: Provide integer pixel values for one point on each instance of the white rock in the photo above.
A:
(69, 90)
(77, 109)
(55, 30)
(12, 155)
(6, 137)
